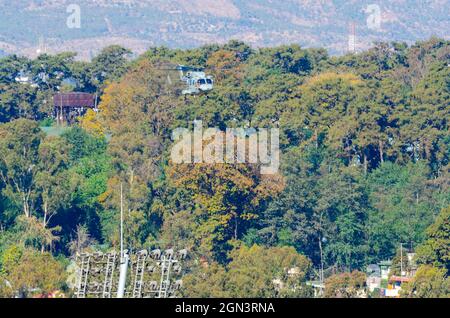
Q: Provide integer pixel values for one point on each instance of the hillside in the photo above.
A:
(30, 25)
(362, 175)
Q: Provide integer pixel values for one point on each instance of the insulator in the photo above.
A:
(178, 284)
(155, 254)
(177, 269)
(153, 285)
(182, 254)
(143, 253)
(168, 253)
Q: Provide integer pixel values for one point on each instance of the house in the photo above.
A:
(25, 79)
(385, 268)
(395, 286)
(68, 106)
(373, 280)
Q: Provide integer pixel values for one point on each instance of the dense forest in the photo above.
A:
(364, 167)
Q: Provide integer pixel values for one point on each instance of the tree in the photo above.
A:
(257, 272)
(20, 100)
(435, 251)
(325, 102)
(32, 233)
(29, 272)
(35, 173)
(138, 113)
(430, 107)
(110, 64)
(322, 211)
(345, 285)
(254, 272)
(206, 282)
(81, 73)
(82, 144)
(227, 198)
(49, 71)
(81, 241)
(90, 168)
(52, 179)
(19, 146)
(11, 67)
(429, 282)
(405, 205)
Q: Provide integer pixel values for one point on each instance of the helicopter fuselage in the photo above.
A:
(197, 83)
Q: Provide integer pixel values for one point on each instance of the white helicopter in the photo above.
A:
(197, 82)
(195, 79)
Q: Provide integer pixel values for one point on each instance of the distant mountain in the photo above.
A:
(31, 26)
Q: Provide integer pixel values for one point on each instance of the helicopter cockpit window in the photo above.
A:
(209, 81)
(202, 81)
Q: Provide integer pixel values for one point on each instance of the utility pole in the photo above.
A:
(124, 257)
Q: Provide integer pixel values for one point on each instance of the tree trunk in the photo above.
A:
(44, 223)
(380, 148)
(26, 208)
(321, 260)
(427, 152)
(316, 137)
(366, 163)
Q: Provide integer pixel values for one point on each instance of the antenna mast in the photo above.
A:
(121, 222)
(352, 38)
(124, 257)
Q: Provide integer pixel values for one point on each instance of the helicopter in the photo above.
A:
(196, 80)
